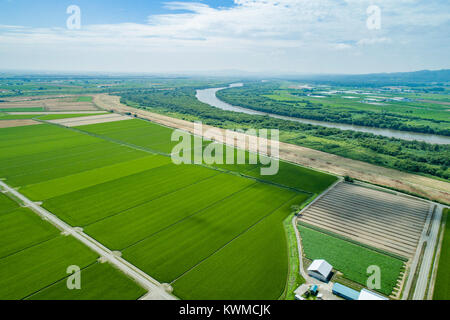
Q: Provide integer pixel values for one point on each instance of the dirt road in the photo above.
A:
(426, 187)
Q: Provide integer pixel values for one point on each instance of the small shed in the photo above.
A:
(345, 292)
(320, 269)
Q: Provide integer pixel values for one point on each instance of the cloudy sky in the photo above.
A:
(264, 36)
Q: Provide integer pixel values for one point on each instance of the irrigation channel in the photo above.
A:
(208, 96)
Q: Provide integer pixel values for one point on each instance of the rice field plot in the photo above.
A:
(67, 116)
(99, 282)
(173, 251)
(341, 255)
(7, 205)
(41, 265)
(77, 181)
(34, 257)
(31, 149)
(11, 164)
(6, 116)
(25, 135)
(83, 99)
(42, 156)
(25, 109)
(102, 155)
(123, 230)
(63, 161)
(136, 132)
(297, 177)
(387, 221)
(91, 204)
(253, 266)
(38, 267)
(155, 137)
(22, 228)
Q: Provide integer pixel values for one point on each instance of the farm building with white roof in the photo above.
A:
(369, 295)
(320, 269)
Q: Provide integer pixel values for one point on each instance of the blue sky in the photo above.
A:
(268, 36)
(51, 13)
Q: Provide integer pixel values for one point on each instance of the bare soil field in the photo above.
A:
(55, 112)
(383, 220)
(83, 121)
(420, 185)
(17, 123)
(69, 103)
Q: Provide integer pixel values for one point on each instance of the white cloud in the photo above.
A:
(246, 35)
(372, 41)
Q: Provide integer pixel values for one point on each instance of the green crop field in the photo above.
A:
(142, 221)
(5, 116)
(173, 251)
(201, 228)
(148, 135)
(99, 282)
(34, 258)
(136, 132)
(20, 222)
(6, 205)
(67, 116)
(84, 99)
(34, 109)
(341, 255)
(253, 266)
(442, 284)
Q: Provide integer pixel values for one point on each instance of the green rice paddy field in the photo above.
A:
(34, 257)
(211, 232)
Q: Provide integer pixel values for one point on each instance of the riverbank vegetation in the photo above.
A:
(409, 156)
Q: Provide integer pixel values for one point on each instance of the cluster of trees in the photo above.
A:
(411, 156)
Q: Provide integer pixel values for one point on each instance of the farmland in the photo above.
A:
(192, 226)
(387, 221)
(34, 256)
(157, 138)
(442, 284)
(38, 104)
(341, 254)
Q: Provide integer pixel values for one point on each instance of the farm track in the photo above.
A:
(423, 186)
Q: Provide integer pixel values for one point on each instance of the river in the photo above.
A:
(208, 96)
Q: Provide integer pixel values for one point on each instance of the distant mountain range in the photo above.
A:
(417, 77)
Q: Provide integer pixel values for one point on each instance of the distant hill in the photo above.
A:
(424, 77)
